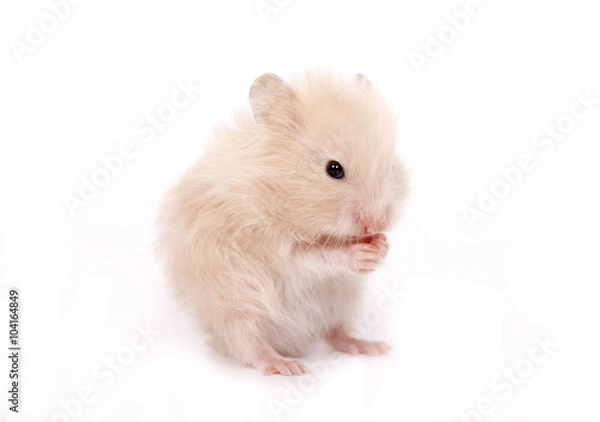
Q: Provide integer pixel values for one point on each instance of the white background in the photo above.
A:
(476, 296)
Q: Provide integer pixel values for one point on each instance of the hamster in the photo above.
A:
(268, 237)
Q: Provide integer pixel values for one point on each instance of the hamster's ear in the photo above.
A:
(363, 81)
(274, 103)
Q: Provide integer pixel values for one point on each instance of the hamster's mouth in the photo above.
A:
(337, 241)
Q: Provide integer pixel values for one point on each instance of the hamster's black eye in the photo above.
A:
(335, 170)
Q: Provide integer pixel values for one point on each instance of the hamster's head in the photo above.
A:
(332, 165)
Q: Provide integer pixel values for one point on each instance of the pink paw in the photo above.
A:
(284, 366)
(354, 346)
(367, 255)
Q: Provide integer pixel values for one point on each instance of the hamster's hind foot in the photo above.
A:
(272, 363)
(342, 342)
(284, 366)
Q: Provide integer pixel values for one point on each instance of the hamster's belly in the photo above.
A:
(309, 308)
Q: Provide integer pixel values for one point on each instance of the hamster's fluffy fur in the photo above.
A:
(268, 250)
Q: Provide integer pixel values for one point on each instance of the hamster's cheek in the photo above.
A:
(349, 226)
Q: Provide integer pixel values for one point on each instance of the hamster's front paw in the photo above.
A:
(368, 254)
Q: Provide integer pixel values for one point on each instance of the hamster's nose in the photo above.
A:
(373, 221)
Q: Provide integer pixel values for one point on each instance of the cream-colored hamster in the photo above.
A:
(268, 237)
